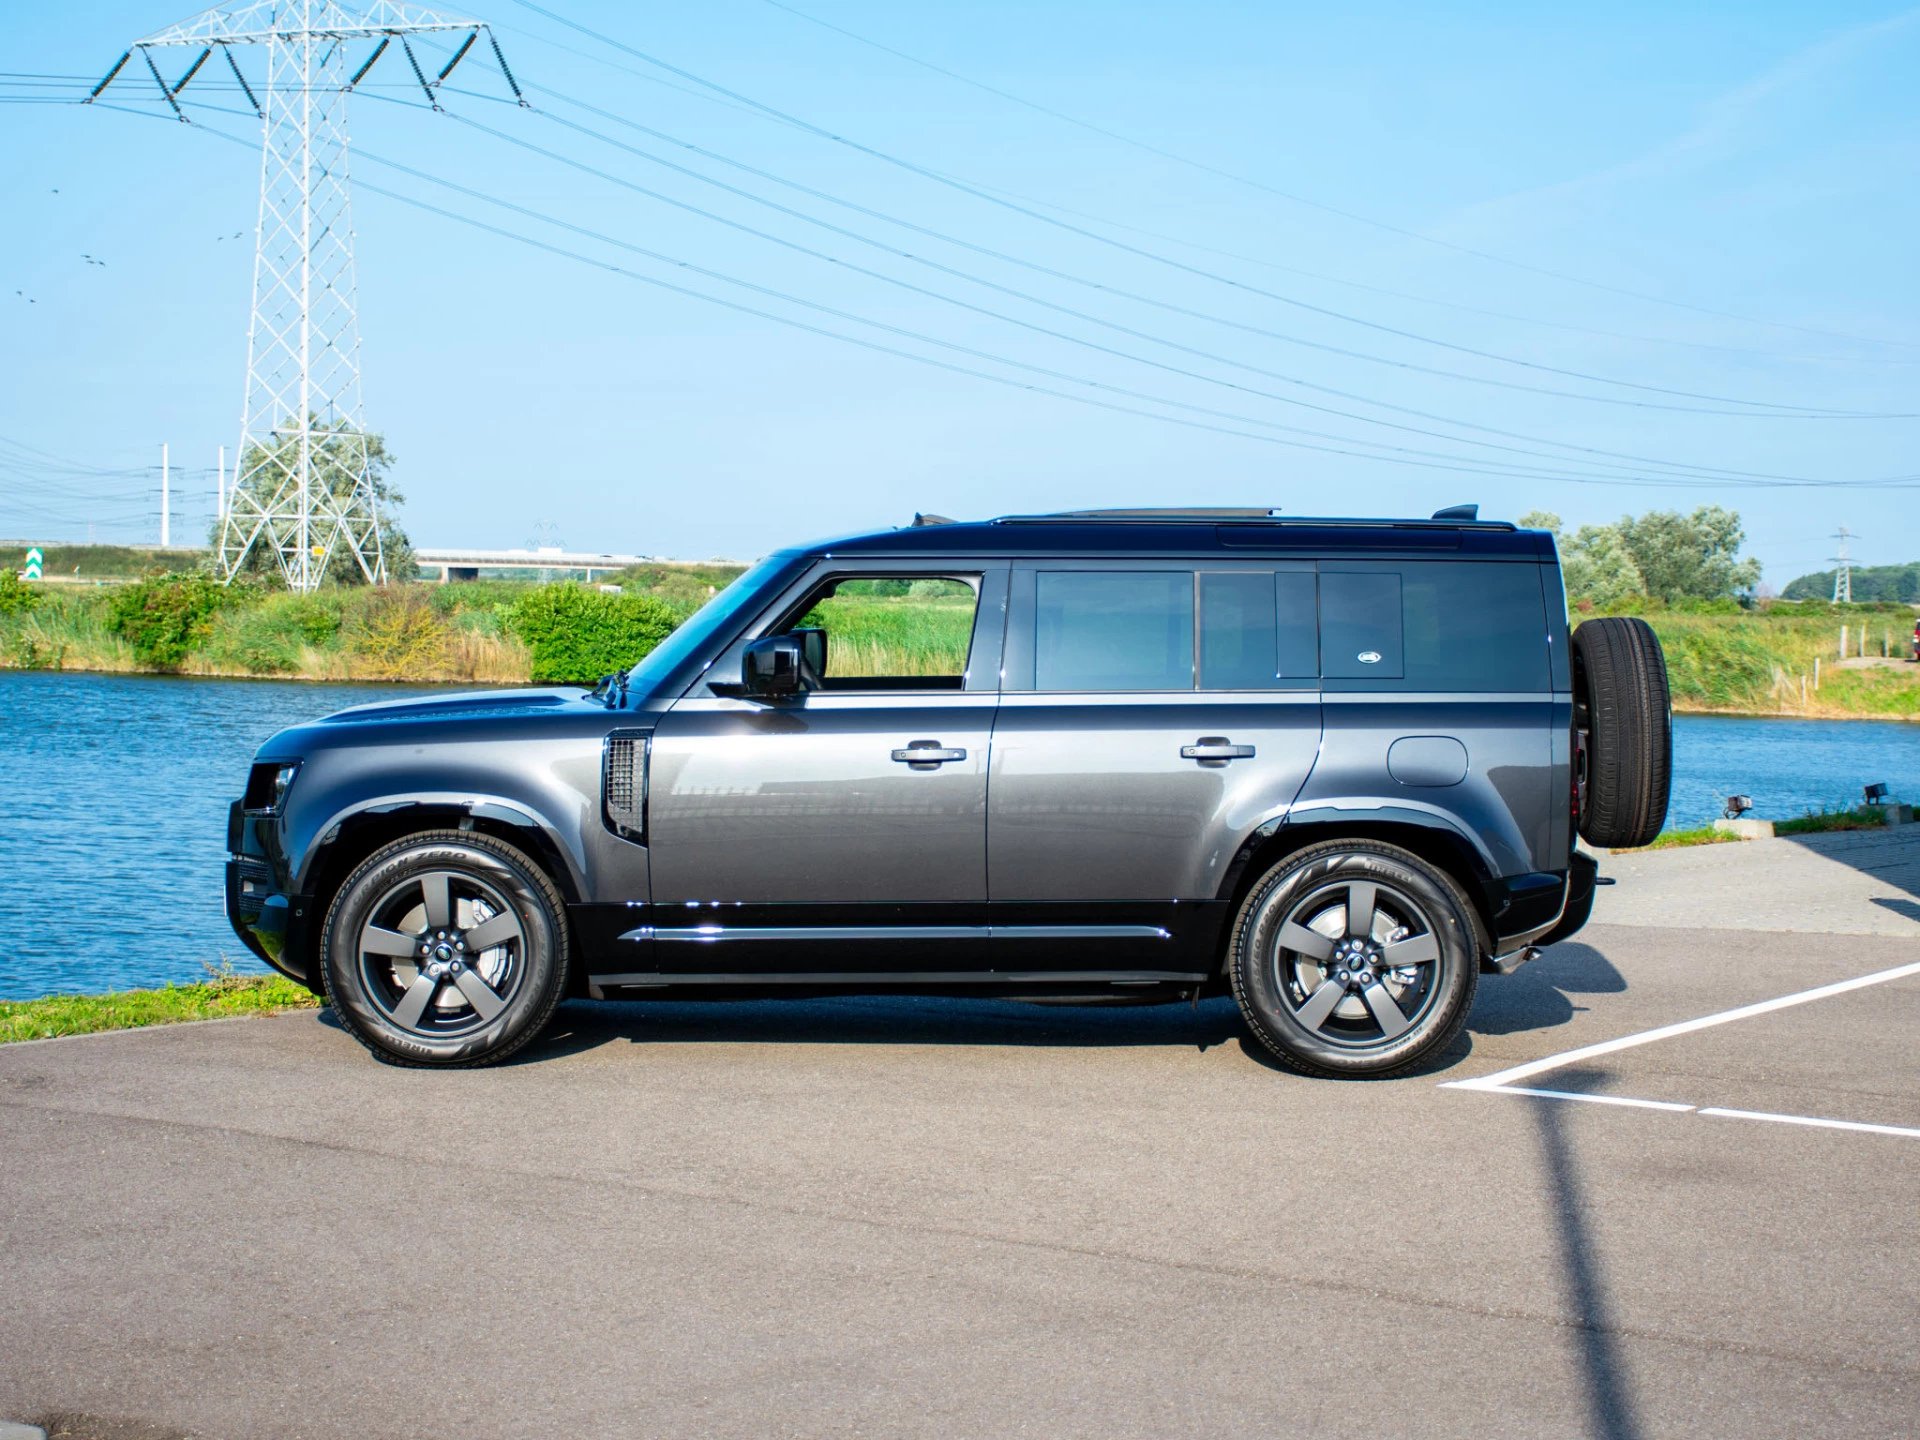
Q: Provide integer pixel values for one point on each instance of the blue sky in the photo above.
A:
(1753, 161)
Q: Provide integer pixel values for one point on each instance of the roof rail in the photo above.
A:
(1454, 517)
(1155, 515)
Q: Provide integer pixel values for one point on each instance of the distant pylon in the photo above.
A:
(1843, 572)
(302, 487)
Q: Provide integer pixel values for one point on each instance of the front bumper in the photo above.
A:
(268, 920)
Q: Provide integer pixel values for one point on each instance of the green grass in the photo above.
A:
(907, 635)
(224, 995)
(1752, 662)
(1819, 822)
(1680, 839)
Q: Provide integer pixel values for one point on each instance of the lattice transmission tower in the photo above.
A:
(1843, 569)
(303, 487)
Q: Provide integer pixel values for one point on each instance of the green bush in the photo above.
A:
(577, 635)
(267, 638)
(16, 595)
(165, 617)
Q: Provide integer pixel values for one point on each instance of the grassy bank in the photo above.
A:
(1721, 659)
(1754, 662)
(500, 632)
(223, 996)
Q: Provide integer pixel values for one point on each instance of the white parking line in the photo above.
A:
(1809, 1120)
(1505, 1078)
(1502, 1082)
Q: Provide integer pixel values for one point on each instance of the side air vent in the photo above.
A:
(623, 784)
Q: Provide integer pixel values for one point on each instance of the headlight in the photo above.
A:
(267, 785)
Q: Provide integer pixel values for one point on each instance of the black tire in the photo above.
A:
(406, 981)
(1313, 998)
(1621, 700)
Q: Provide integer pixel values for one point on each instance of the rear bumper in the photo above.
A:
(269, 921)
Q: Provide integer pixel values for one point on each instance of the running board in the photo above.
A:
(795, 934)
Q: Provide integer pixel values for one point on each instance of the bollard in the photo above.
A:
(1816, 672)
(1843, 642)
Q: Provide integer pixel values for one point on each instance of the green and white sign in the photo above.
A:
(34, 558)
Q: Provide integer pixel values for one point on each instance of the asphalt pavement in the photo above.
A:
(901, 1217)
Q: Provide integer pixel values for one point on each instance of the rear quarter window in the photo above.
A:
(1457, 625)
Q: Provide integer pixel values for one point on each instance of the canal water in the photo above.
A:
(116, 789)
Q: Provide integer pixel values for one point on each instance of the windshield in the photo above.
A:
(699, 628)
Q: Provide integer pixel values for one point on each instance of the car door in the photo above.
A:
(844, 831)
(1155, 714)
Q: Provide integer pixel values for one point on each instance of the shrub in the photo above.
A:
(269, 638)
(16, 596)
(576, 635)
(165, 617)
(396, 633)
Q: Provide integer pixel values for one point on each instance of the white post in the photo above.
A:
(1843, 642)
(1816, 672)
(166, 518)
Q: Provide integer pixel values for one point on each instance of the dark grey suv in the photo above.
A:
(1336, 767)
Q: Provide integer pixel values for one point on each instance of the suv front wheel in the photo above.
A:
(1354, 958)
(445, 948)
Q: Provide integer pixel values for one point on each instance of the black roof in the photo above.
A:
(1226, 532)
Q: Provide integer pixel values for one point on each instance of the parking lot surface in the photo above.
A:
(898, 1217)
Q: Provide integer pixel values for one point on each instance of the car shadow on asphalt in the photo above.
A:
(1539, 995)
(1536, 997)
(882, 1020)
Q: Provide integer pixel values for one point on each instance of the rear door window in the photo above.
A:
(1113, 630)
(1258, 630)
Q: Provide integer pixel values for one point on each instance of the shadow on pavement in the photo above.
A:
(882, 1020)
(1609, 1397)
(1536, 996)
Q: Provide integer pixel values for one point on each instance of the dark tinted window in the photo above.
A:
(1113, 630)
(1445, 625)
(1360, 624)
(1475, 627)
(1257, 630)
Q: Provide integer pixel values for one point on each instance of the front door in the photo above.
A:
(843, 832)
(1156, 714)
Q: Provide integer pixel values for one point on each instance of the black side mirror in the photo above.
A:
(775, 667)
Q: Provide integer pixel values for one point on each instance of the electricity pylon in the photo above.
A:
(303, 487)
(1843, 571)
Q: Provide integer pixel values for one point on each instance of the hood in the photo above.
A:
(466, 705)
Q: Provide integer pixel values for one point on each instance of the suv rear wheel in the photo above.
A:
(1354, 958)
(445, 948)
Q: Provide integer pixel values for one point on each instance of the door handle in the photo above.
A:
(927, 755)
(1215, 750)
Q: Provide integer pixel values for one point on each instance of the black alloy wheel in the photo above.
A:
(445, 948)
(1354, 958)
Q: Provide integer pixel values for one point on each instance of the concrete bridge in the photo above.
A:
(466, 564)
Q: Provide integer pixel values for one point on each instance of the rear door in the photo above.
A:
(1155, 712)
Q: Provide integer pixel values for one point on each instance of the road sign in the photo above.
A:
(34, 558)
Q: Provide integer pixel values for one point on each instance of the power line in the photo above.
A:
(1269, 189)
(912, 167)
(1396, 455)
(1639, 461)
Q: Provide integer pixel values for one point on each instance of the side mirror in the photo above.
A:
(813, 648)
(775, 667)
